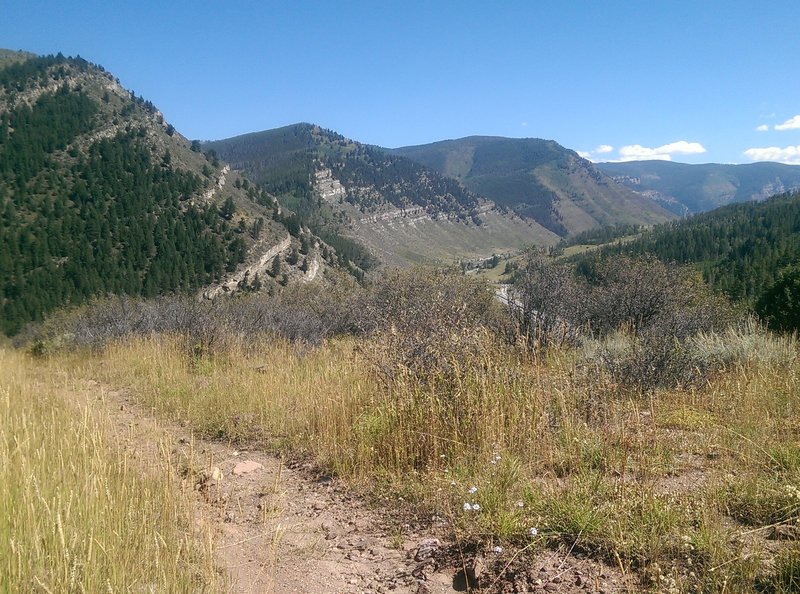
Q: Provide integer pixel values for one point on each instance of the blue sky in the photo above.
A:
(688, 80)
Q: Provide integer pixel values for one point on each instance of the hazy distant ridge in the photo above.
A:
(687, 189)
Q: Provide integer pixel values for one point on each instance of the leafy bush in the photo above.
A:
(780, 304)
(300, 313)
(427, 323)
(548, 308)
(654, 307)
(106, 320)
(649, 296)
(648, 362)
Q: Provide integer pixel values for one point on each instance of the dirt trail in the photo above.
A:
(277, 529)
(280, 530)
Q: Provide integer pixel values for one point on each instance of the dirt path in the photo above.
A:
(279, 530)
(276, 529)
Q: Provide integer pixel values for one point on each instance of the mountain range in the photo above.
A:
(455, 199)
(100, 194)
(395, 209)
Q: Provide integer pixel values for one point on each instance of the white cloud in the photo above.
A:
(762, 128)
(682, 148)
(603, 149)
(524, 124)
(637, 152)
(789, 155)
(790, 124)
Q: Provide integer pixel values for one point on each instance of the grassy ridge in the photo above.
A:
(75, 513)
(538, 179)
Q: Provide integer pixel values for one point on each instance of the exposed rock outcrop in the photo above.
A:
(258, 267)
(328, 187)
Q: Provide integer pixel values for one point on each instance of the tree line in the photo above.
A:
(750, 252)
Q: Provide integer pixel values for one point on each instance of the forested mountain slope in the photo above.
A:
(538, 179)
(742, 249)
(282, 160)
(98, 195)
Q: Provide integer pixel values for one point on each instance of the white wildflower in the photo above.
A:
(473, 490)
(533, 531)
(498, 549)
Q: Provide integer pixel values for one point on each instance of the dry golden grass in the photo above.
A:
(75, 515)
(679, 486)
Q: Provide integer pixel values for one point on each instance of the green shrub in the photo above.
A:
(429, 325)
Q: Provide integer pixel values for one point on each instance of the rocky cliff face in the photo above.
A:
(403, 212)
(413, 233)
(329, 188)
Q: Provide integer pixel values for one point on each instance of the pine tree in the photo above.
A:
(228, 209)
(276, 267)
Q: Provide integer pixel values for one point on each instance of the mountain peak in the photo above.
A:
(538, 179)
